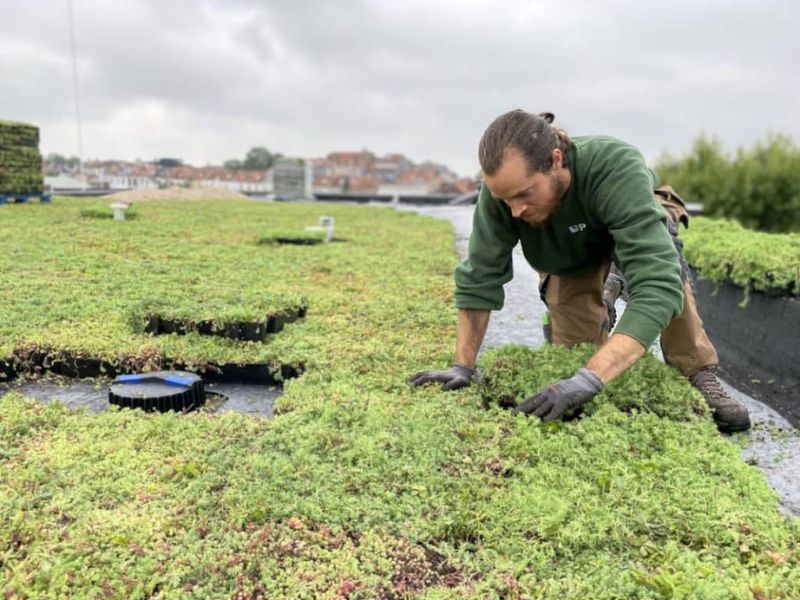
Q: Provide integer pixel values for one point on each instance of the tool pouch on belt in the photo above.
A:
(675, 206)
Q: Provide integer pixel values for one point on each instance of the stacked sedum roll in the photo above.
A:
(20, 160)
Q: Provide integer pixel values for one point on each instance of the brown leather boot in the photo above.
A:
(729, 415)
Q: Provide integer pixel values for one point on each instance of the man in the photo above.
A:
(579, 206)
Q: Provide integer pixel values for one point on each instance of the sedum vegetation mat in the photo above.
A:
(724, 251)
(77, 287)
(360, 486)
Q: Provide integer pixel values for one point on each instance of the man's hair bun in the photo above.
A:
(547, 116)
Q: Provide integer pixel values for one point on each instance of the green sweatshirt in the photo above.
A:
(609, 206)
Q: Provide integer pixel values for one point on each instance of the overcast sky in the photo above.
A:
(207, 80)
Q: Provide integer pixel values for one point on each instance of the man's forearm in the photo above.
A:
(469, 336)
(615, 357)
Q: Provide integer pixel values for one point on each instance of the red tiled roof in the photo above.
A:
(362, 159)
(395, 158)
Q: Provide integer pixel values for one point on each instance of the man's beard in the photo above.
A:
(559, 186)
(559, 191)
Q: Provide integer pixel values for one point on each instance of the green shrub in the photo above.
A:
(759, 187)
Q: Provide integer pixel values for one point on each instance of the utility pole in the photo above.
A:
(74, 50)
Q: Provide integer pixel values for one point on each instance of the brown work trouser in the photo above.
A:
(578, 314)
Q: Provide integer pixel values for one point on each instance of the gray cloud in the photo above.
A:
(207, 80)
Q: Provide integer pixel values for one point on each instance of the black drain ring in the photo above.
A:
(158, 391)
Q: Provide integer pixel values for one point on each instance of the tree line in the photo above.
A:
(258, 158)
(758, 186)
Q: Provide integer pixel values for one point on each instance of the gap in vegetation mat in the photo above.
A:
(298, 237)
(252, 399)
(252, 331)
(35, 361)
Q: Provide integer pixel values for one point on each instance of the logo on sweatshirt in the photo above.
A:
(577, 228)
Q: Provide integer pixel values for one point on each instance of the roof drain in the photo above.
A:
(326, 223)
(325, 226)
(160, 391)
(119, 209)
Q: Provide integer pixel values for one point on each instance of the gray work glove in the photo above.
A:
(457, 376)
(552, 402)
(613, 288)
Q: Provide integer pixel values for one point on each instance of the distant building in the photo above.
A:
(362, 185)
(322, 167)
(63, 182)
(240, 180)
(385, 170)
(291, 179)
(414, 188)
(328, 184)
(465, 185)
(118, 175)
(393, 174)
(351, 164)
(340, 172)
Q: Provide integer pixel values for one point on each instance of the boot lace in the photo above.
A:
(708, 384)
